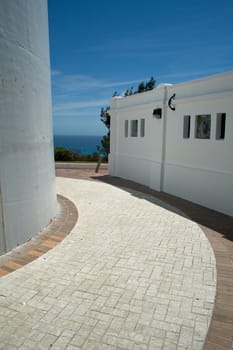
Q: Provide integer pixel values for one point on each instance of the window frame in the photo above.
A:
(220, 126)
(186, 126)
(199, 129)
(134, 128)
(126, 125)
(142, 127)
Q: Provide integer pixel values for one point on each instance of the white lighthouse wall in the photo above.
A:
(26, 145)
(199, 170)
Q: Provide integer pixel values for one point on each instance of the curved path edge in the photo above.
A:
(40, 244)
(176, 286)
(218, 229)
(220, 331)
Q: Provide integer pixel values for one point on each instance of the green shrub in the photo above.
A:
(63, 155)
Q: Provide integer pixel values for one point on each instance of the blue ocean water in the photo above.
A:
(81, 143)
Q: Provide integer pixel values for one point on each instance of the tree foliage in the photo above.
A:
(150, 84)
(105, 142)
(105, 117)
(142, 87)
(62, 154)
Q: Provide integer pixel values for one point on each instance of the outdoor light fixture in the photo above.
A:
(157, 113)
(170, 102)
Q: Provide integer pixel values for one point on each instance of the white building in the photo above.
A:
(178, 139)
(27, 176)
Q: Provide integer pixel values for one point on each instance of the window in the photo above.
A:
(220, 126)
(126, 128)
(186, 127)
(203, 124)
(142, 127)
(134, 128)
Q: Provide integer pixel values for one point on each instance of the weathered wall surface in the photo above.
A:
(27, 175)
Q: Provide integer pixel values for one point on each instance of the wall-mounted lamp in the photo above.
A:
(157, 113)
(171, 102)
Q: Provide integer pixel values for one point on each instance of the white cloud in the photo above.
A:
(55, 73)
(80, 83)
(73, 94)
(122, 83)
(68, 83)
(75, 113)
(75, 107)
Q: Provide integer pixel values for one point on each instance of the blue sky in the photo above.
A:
(99, 47)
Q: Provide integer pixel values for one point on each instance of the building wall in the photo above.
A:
(200, 170)
(2, 233)
(137, 158)
(27, 176)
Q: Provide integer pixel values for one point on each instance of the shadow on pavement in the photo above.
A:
(211, 219)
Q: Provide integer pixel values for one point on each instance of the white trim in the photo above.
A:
(211, 96)
(208, 78)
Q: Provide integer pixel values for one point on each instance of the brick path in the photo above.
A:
(43, 242)
(218, 228)
(143, 278)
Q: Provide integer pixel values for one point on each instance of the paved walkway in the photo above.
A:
(41, 243)
(133, 274)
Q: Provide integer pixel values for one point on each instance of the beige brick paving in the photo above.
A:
(133, 274)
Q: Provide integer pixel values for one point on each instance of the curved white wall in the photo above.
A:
(27, 177)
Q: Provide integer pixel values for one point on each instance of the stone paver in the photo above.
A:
(133, 274)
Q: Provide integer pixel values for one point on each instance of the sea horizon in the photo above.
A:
(77, 135)
(84, 144)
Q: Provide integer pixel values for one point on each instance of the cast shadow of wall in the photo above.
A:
(211, 221)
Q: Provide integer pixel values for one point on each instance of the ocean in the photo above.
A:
(80, 143)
